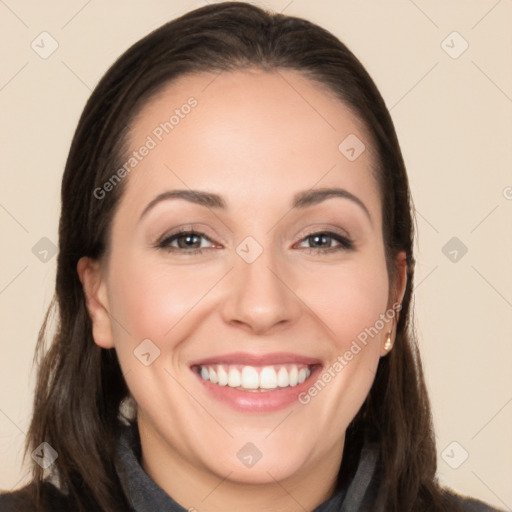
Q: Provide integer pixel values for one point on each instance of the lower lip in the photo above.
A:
(258, 401)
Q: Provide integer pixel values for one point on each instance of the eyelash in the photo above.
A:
(345, 244)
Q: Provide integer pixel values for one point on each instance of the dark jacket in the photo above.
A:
(144, 495)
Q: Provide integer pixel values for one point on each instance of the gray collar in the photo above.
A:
(144, 495)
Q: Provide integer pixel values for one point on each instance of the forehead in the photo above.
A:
(262, 134)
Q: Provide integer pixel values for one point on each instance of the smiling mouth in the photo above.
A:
(255, 378)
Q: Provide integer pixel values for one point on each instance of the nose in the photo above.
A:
(260, 296)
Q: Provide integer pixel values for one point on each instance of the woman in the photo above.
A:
(233, 286)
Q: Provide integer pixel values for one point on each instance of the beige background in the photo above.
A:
(454, 121)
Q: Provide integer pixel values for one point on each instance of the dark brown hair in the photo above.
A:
(80, 386)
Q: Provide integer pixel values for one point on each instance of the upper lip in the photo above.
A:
(248, 359)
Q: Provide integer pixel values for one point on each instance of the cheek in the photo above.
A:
(151, 299)
(349, 297)
(150, 296)
(350, 300)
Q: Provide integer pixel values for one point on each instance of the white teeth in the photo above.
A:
(233, 378)
(252, 378)
(268, 378)
(222, 376)
(283, 379)
(301, 378)
(213, 376)
(293, 376)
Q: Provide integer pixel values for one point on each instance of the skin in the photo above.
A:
(256, 142)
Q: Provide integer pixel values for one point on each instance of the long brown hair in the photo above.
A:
(80, 386)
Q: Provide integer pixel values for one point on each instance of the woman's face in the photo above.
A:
(217, 329)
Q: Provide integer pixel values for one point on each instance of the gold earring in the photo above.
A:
(388, 344)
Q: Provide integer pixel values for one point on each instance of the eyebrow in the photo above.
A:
(300, 200)
(316, 196)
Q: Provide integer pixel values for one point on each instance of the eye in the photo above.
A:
(186, 241)
(323, 242)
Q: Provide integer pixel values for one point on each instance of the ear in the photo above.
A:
(400, 284)
(396, 295)
(95, 291)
